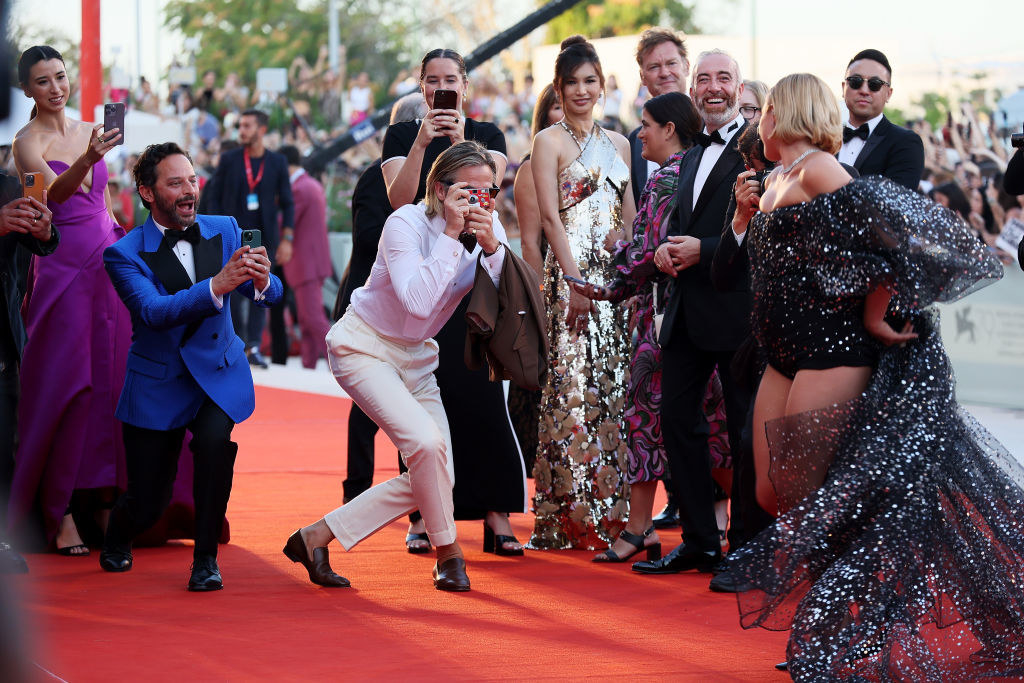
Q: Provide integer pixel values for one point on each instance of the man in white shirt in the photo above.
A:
(186, 366)
(703, 327)
(871, 143)
(383, 356)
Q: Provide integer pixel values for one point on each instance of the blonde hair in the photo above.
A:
(759, 90)
(805, 108)
(467, 154)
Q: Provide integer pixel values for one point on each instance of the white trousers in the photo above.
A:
(394, 384)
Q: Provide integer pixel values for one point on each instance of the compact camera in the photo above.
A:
(481, 197)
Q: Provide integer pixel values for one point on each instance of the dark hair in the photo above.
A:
(873, 55)
(443, 53)
(144, 171)
(545, 101)
(261, 116)
(677, 108)
(291, 155)
(576, 51)
(957, 199)
(751, 147)
(31, 57)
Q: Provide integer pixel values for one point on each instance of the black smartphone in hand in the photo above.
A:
(445, 99)
(113, 117)
(252, 238)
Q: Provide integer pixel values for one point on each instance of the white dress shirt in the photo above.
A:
(183, 250)
(849, 152)
(420, 275)
(712, 153)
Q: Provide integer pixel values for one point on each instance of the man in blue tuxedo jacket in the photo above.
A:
(186, 366)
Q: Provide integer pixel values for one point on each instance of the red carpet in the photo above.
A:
(550, 615)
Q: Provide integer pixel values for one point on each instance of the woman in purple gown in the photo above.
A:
(78, 329)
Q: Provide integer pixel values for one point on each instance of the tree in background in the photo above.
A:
(247, 36)
(606, 18)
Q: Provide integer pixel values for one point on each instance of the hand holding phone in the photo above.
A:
(113, 117)
(33, 186)
(445, 99)
(252, 238)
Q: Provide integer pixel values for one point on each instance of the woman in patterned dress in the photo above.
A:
(581, 174)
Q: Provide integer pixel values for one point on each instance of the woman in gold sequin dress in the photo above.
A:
(581, 173)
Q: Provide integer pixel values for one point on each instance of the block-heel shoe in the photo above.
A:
(653, 550)
(495, 543)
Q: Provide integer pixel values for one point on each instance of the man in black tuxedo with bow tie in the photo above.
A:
(871, 143)
(661, 55)
(702, 327)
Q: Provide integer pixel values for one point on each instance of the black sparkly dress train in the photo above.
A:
(899, 551)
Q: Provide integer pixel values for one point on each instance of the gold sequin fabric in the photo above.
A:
(581, 493)
(900, 554)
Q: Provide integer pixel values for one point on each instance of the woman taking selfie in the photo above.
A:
(898, 548)
(78, 329)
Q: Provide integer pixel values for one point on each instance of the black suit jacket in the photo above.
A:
(713, 320)
(370, 209)
(14, 252)
(229, 188)
(637, 166)
(894, 152)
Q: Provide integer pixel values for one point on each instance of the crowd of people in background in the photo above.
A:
(674, 354)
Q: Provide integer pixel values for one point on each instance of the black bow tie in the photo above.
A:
(189, 234)
(705, 140)
(861, 132)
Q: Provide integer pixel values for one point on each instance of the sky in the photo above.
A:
(980, 34)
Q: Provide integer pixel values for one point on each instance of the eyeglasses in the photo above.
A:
(874, 83)
(749, 112)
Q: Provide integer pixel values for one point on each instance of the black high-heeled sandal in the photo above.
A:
(495, 543)
(411, 538)
(653, 550)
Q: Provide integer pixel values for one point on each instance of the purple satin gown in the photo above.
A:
(74, 363)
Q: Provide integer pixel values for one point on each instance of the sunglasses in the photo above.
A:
(874, 83)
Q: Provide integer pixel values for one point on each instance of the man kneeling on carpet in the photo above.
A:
(186, 367)
(382, 355)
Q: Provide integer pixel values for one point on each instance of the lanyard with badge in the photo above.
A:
(252, 200)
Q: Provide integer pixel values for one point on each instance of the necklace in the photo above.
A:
(581, 144)
(800, 158)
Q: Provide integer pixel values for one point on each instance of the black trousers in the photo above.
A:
(686, 370)
(152, 463)
(359, 470)
(278, 331)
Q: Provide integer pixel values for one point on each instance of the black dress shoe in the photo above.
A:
(115, 560)
(668, 518)
(450, 575)
(205, 575)
(256, 358)
(10, 561)
(681, 559)
(318, 568)
(726, 582)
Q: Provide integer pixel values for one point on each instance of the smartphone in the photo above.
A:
(33, 186)
(445, 99)
(576, 280)
(252, 238)
(113, 117)
(481, 197)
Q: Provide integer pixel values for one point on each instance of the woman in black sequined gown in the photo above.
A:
(897, 553)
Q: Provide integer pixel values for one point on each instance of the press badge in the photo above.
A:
(252, 202)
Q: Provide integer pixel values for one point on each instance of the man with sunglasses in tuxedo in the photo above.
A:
(871, 143)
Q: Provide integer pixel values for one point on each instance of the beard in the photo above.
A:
(169, 208)
(719, 119)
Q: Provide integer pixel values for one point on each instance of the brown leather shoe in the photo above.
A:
(319, 567)
(450, 575)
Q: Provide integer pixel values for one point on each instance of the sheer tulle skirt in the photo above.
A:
(900, 551)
